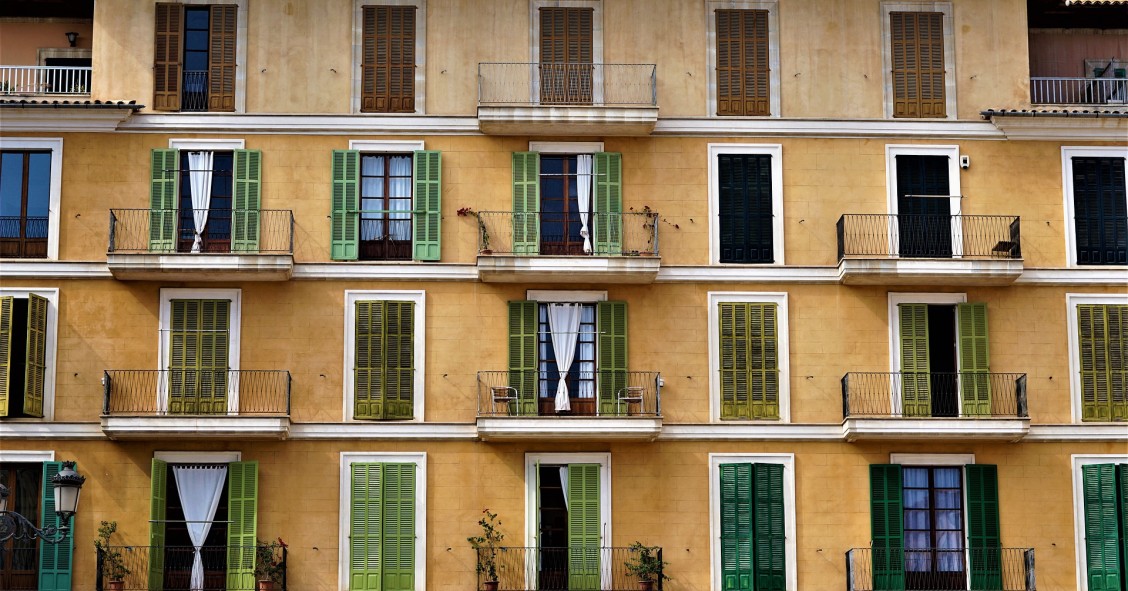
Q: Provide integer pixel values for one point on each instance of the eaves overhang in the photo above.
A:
(1061, 124)
(32, 115)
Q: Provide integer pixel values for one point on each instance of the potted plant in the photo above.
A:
(486, 545)
(646, 565)
(113, 565)
(268, 568)
(483, 232)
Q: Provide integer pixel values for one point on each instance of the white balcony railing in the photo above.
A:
(1078, 91)
(44, 80)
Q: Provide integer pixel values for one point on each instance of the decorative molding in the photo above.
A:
(357, 124)
(765, 127)
(1090, 128)
(206, 144)
(386, 145)
(28, 456)
(571, 269)
(386, 271)
(384, 431)
(65, 118)
(172, 427)
(966, 429)
(32, 429)
(42, 269)
(733, 273)
(198, 457)
(571, 428)
(926, 459)
(1079, 433)
(886, 270)
(199, 266)
(751, 431)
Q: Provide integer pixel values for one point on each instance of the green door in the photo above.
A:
(242, 527)
(523, 357)
(611, 319)
(584, 525)
(916, 375)
(55, 560)
(975, 378)
(526, 203)
(887, 530)
(344, 206)
(198, 364)
(246, 201)
(164, 195)
(382, 527)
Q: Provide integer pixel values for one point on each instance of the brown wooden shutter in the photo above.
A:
(742, 62)
(166, 58)
(567, 54)
(917, 53)
(221, 58)
(388, 60)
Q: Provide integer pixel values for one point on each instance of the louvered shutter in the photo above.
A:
(428, 205)
(366, 527)
(975, 378)
(7, 303)
(566, 42)
(388, 59)
(1103, 351)
(916, 392)
(742, 62)
(199, 348)
(242, 526)
(768, 529)
(887, 527)
(749, 360)
(221, 57)
(611, 351)
(917, 52)
(55, 560)
(158, 503)
(1118, 362)
(924, 222)
(526, 203)
(523, 357)
(167, 58)
(1122, 502)
(733, 359)
(608, 203)
(736, 527)
(1102, 540)
(246, 201)
(344, 231)
(368, 372)
(583, 527)
(984, 544)
(745, 208)
(398, 536)
(164, 194)
(35, 369)
(1100, 210)
(399, 360)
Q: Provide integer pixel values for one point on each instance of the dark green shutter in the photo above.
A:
(975, 378)
(1102, 541)
(6, 305)
(744, 208)
(736, 527)
(611, 326)
(887, 531)
(523, 357)
(242, 527)
(916, 376)
(55, 560)
(366, 527)
(584, 523)
(382, 527)
(1122, 502)
(344, 226)
(199, 347)
(158, 503)
(164, 195)
(608, 201)
(246, 201)
(35, 372)
(984, 543)
(384, 372)
(398, 536)
(526, 203)
(749, 360)
(768, 529)
(1100, 211)
(427, 230)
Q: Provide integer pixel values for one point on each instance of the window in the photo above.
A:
(32, 564)
(566, 55)
(749, 355)
(30, 184)
(746, 203)
(384, 362)
(1098, 334)
(28, 329)
(924, 185)
(198, 47)
(743, 53)
(389, 56)
(752, 518)
(920, 56)
(1096, 206)
(199, 351)
(1100, 501)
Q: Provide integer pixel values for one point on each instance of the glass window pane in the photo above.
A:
(916, 520)
(11, 183)
(947, 477)
(948, 520)
(917, 539)
(948, 499)
(915, 477)
(916, 499)
(38, 184)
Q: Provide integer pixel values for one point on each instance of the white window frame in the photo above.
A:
(345, 509)
(783, 350)
(944, 8)
(234, 321)
(55, 194)
(532, 460)
(30, 456)
(775, 151)
(420, 54)
(772, 6)
(198, 457)
(1072, 300)
(596, 43)
(955, 203)
(240, 48)
(202, 144)
(939, 299)
(418, 297)
(51, 294)
(787, 460)
(1078, 461)
(1068, 153)
(566, 147)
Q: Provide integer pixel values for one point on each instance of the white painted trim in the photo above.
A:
(1077, 462)
(913, 459)
(345, 510)
(951, 429)
(218, 145)
(566, 147)
(198, 457)
(26, 456)
(532, 460)
(542, 429)
(1072, 300)
(240, 48)
(772, 6)
(949, 50)
(55, 190)
(787, 460)
(1068, 153)
(234, 319)
(775, 151)
(54, 270)
(883, 129)
(60, 118)
(386, 271)
(895, 298)
(386, 145)
(419, 298)
(420, 51)
(35, 429)
(1089, 128)
(374, 123)
(545, 296)
(52, 344)
(751, 431)
(374, 431)
(955, 203)
(783, 348)
(596, 41)
(1106, 432)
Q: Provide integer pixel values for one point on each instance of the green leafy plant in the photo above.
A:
(268, 566)
(487, 544)
(645, 564)
(113, 565)
(483, 232)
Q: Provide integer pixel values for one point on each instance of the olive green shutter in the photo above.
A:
(242, 527)
(736, 527)
(523, 357)
(611, 326)
(975, 380)
(608, 203)
(54, 559)
(221, 57)
(6, 305)
(749, 360)
(399, 360)
(1118, 364)
(984, 544)
(1103, 351)
(164, 193)
(916, 393)
(734, 353)
(427, 230)
(365, 527)
(158, 503)
(344, 226)
(398, 535)
(382, 527)
(767, 530)
(246, 201)
(1102, 541)
(167, 55)
(199, 347)
(35, 372)
(526, 203)
(887, 527)
(583, 527)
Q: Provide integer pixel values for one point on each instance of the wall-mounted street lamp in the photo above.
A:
(72, 37)
(68, 485)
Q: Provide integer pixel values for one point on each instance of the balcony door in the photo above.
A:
(565, 204)
(19, 559)
(944, 360)
(198, 361)
(569, 524)
(580, 379)
(924, 212)
(200, 173)
(566, 55)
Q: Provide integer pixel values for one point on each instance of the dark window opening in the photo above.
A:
(178, 551)
(552, 531)
(197, 32)
(1100, 211)
(934, 538)
(580, 378)
(216, 236)
(17, 363)
(19, 559)
(560, 225)
(924, 212)
(386, 207)
(25, 195)
(942, 361)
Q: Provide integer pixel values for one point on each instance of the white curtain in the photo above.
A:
(564, 484)
(200, 488)
(564, 323)
(200, 182)
(583, 197)
(399, 198)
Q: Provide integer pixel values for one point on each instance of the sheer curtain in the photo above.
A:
(200, 488)
(372, 197)
(585, 350)
(583, 197)
(200, 182)
(564, 323)
(399, 198)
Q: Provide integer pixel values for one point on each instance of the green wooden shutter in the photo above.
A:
(584, 526)
(611, 326)
(199, 350)
(984, 543)
(427, 231)
(887, 531)
(744, 204)
(55, 560)
(608, 169)
(1103, 343)
(242, 527)
(399, 360)
(736, 527)
(365, 527)
(1102, 542)
(749, 360)
(526, 203)
(368, 363)
(733, 356)
(523, 357)
(975, 379)
(344, 216)
(6, 305)
(916, 393)
(246, 201)
(35, 372)
(1118, 363)
(164, 193)
(158, 503)
(398, 535)
(768, 531)
(1122, 502)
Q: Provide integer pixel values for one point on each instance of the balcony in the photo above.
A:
(521, 405)
(551, 247)
(148, 403)
(39, 81)
(236, 245)
(177, 567)
(1079, 91)
(572, 99)
(910, 405)
(531, 568)
(881, 249)
(23, 237)
(934, 569)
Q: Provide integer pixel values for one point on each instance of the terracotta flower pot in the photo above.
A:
(646, 586)
(267, 585)
(489, 585)
(117, 585)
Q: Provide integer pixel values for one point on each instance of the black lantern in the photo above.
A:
(68, 485)
(72, 37)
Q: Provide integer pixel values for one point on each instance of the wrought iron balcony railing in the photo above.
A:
(194, 93)
(1078, 91)
(935, 569)
(234, 231)
(226, 568)
(23, 237)
(570, 84)
(934, 395)
(590, 394)
(44, 80)
(928, 236)
(556, 233)
(192, 392)
(531, 568)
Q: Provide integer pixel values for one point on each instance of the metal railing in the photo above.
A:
(933, 569)
(175, 568)
(235, 231)
(533, 568)
(49, 80)
(929, 236)
(934, 395)
(194, 92)
(23, 237)
(1078, 91)
(191, 392)
(554, 233)
(591, 394)
(549, 84)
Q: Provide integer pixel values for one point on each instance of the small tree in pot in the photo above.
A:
(486, 546)
(646, 565)
(268, 568)
(113, 565)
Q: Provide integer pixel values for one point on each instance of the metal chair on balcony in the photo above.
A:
(628, 396)
(502, 397)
